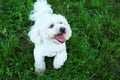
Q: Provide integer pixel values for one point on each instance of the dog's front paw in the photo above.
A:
(40, 68)
(59, 60)
(58, 64)
(39, 72)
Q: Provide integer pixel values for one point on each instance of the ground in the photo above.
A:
(93, 50)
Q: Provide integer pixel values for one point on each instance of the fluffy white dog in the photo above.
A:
(49, 34)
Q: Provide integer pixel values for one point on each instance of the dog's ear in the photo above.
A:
(69, 32)
(34, 35)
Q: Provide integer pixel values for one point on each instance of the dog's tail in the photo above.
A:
(41, 7)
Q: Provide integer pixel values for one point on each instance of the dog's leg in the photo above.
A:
(59, 60)
(39, 64)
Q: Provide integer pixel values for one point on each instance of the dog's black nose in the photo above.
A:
(62, 30)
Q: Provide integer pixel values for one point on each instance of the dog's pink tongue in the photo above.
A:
(60, 38)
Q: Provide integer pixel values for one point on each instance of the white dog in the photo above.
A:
(49, 34)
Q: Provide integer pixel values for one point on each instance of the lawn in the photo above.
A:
(93, 50)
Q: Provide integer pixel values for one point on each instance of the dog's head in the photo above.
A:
(53, 28)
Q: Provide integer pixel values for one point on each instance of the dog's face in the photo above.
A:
(53, 28)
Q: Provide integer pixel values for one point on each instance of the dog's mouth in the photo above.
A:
(60, 38)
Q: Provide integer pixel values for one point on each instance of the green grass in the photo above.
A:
(93, 50)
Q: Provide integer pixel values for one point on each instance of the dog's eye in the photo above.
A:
(60, 22)
(51, 26)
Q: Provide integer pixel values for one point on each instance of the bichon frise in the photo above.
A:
(49, 34)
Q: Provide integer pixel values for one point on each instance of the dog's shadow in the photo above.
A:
(49, 63)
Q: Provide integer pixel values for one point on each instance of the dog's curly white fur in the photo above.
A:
(49, 34)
